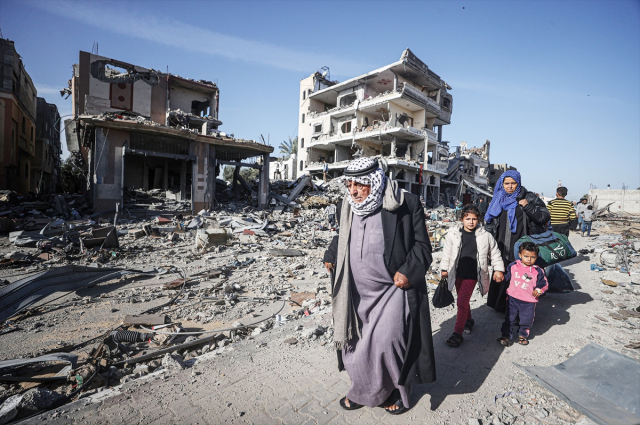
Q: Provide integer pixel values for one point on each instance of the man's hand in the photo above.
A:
(523, 202)
(444, 274)
(329, 267)
(537, 293)
(401, 281)
(498, 276)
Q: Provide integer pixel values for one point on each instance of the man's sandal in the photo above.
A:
(468, 326)
(352, 405)
(400, 408)
(505, 341)
(523, 341)
(454, 340)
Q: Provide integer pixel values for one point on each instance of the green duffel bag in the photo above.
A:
(554, 248)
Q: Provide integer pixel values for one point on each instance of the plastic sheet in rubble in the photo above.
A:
(600, 383)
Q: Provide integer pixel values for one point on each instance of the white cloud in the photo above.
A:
(170, 32)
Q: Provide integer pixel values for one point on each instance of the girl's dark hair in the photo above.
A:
(470, 209)
(529, 246)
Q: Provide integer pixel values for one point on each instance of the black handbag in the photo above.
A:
(442, 297)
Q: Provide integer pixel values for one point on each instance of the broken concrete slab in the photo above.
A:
(287, 252)
(206, 238)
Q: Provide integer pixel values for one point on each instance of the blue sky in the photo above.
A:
(555, 86)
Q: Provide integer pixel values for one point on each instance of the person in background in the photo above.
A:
(482, 208)
(580, 208)
(562, 212)
(587, 219)
(526, 283)
(325, 170)
(513, 213)
(468, 251)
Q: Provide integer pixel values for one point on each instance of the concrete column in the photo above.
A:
(393, 147)
(210, 197)
(145, 176)
(183, 179)
(165, 174)
(263, 186)
(234, 187)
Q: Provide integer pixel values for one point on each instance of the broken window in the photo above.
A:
(302, 118)
(200, 108)
(302, 142)
(317, 128)
(301, 165)
(446, 103)
(346, 127)
(304, 95)
(348, 99)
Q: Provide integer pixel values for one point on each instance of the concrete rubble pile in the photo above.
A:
(221, 275)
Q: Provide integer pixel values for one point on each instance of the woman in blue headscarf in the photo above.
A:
(513, 212)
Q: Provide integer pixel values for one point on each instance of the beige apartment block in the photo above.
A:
(394, 114)
(140, 128)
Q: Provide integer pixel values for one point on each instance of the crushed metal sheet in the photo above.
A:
(600, 383)
(23, 293)
(70, 359)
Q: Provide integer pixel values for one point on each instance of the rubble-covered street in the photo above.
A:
(224, 213)
(225, 317)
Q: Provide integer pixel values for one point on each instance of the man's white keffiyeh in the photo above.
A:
(377, 181)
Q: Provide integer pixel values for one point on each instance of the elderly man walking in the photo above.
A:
(382, 324)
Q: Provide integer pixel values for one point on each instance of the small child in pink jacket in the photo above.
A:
(526, 283)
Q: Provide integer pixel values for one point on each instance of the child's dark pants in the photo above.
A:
(517, 308)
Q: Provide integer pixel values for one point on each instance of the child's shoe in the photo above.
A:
(505, 341)
(468, 326)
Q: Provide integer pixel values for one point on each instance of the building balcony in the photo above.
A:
(439, 167)
(381, 129)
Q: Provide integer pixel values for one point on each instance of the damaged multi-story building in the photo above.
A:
(395, 113)
(45, 166)
(17, 120)
(141, 128)
(467, 178)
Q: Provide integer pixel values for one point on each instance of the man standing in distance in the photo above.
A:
(562, 212)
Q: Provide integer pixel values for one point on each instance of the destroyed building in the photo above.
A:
(283, 168)
(394, 113)
(17, 120)
(45, 167)
(496, 170)
(138, 128)
(467, 178)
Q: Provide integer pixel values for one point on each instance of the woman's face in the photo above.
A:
(510, 185)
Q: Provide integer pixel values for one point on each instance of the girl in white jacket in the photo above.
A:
(468, 248)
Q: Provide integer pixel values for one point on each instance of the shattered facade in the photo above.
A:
(17, 120)
(496, 170)
(45, 168)
(394, 113)
(138, 128)
(467, 177)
